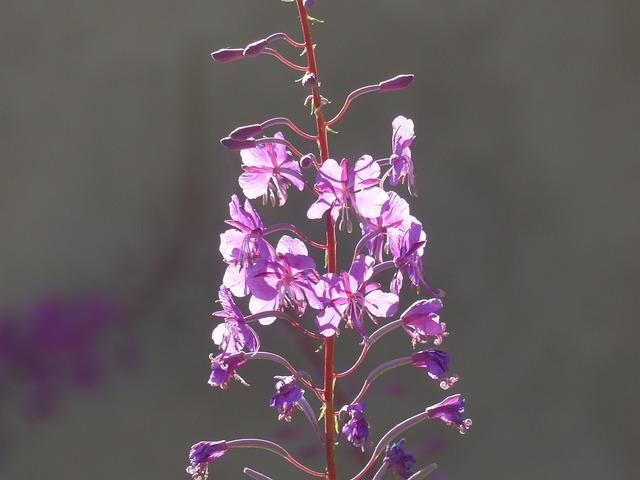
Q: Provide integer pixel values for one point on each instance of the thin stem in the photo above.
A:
(390, 435)
(370, 341)
(275, 53)
(274, 448)
(352, 96)
(283, 316)
(292, 228)
(375, 373)
(289, 123)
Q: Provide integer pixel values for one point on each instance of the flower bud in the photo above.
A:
(308, 160)
(246, 132)
(308, 3)
(309, 80)
(225, 55)
(233, 144)
(396, 83)
(255, 48)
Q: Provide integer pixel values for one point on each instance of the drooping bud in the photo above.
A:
(356, 429)
(201, 454)
(246, 132)
(398, 459)
(450, 412)
(226, 55)
(287, 396)
(233, 144)
(309, 80)
(396, 83)
(308, 3)
(255, 48)
(435, 361)
(307, 160)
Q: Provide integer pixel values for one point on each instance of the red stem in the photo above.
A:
(329, 343)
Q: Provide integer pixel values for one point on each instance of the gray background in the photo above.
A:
(527, 155)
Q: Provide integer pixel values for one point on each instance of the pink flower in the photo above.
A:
(269, 170)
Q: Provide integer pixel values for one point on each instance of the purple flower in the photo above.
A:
(200, 456)
(437, 364)
(341, 188)
(393, 216)
(234, 333)
(242, 247)
(349, 295)
(401, 163)
(286, 397)
(421, 322)
(224, 366)
(407, 248)
(435, 361)
(357, 428)
(285, 280)
(399, 460)
(269, 170)
(450, 411)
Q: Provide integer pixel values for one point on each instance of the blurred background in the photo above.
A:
(114, 190)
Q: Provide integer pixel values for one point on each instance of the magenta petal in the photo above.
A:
(295, 246)
(254, 184)
(328, 320)
(235, 279)
(369, 202)
(381, 304)
(361, 270)
(320, 206)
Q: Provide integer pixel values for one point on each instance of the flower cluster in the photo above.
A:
(271, 266)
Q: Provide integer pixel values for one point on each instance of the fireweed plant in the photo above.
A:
(283, 282)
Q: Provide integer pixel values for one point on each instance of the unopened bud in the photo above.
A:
(396, 83)
(225, 55)
(309, 80)
(308, 3)
(308, 160)
(248, 131)
(255, 48)
(233, 144)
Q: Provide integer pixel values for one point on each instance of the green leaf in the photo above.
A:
(331, 130)
(323, 410)
(315, 20)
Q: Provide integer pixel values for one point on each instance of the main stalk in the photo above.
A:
(329, 343)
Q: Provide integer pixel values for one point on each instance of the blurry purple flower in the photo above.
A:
(269, 170)
(286, 397)
(285, 280)
(349, 295)
(223, 368)
(421, 322)
(308, 3)
(399, 460)
(200, 456)
(341, 188)
(357, 428)
(401, 162)
(450, 411)
(234, 334)
(55, 347)
(407, 248)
